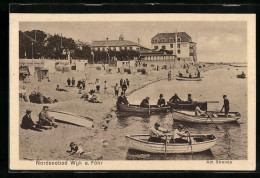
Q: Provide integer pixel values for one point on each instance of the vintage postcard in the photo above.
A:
(132, 92)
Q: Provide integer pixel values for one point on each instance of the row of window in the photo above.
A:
(114, 48)
(171, 46)
(153, 58)
(164, 39)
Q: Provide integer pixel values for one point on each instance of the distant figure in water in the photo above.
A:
(225, 105)
(68, 81)
(145, 103)
(198, 74)
(189, 99)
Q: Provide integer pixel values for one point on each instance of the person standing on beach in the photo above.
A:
(73, 81)
(83, 84)
(116, 89)
(105, 87)
(225, 105)
(124, 86)
(23, 94)
(169, 75)
(121, 82)
(68, 81)
(198, 73)
(127, 83)
(97, 85)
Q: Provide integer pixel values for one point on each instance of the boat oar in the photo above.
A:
(165, 147)
(190, 146)
(212, 121)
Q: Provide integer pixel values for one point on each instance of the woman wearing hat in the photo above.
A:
(27, 122)
(178, 134)
(161, 101)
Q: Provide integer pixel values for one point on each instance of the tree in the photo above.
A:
(84, 53)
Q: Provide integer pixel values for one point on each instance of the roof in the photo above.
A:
(113, 43)
(184, 36)
(81, 43)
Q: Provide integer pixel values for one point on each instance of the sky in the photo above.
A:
(217, 41)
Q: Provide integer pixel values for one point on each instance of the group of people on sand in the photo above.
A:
(161, 135)
(45, 121)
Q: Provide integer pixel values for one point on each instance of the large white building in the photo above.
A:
(179, 43)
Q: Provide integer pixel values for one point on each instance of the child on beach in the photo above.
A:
(116, 89)
(75, 149)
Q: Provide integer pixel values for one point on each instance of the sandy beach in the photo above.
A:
(53, 144)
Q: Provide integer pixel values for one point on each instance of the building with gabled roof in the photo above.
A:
(180, 43)
(117, 45)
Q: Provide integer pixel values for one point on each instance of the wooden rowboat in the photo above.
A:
(241, 76)
(137, 109)
(199, 143)
(70, 118)
(188, 106)
(217, 117)
(188, 79)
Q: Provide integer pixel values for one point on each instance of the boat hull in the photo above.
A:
(138, 142)
(188, 79)
(137, 109)
(184, 117)
(241, 76)
(66, 117)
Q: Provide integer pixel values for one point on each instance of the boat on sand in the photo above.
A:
(188, 78)
(71, 118)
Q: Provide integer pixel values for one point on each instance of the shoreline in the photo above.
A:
(92, 139)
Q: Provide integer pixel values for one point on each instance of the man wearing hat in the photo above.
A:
(45, 119)
(161, 101)
(27, 122)
(156, 134)
(178, 134)
(225, 105)
(145, 103)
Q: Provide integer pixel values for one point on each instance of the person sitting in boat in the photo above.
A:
(199, 112)
(175, 99)
(123, 99)
(161, 101)
(180, 74)
(145, 103)
(178, 134)
(225, 105)
(60, 89)
(45, 119)
(156, 134)
(190, 100)
(190, 76)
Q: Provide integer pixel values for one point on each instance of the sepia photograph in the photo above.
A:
(115, 92)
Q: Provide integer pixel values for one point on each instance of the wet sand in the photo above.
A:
(53, 144)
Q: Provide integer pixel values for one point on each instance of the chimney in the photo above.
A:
(138, 41)
(107, 39)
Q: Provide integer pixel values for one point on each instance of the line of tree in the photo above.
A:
(37, 44)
